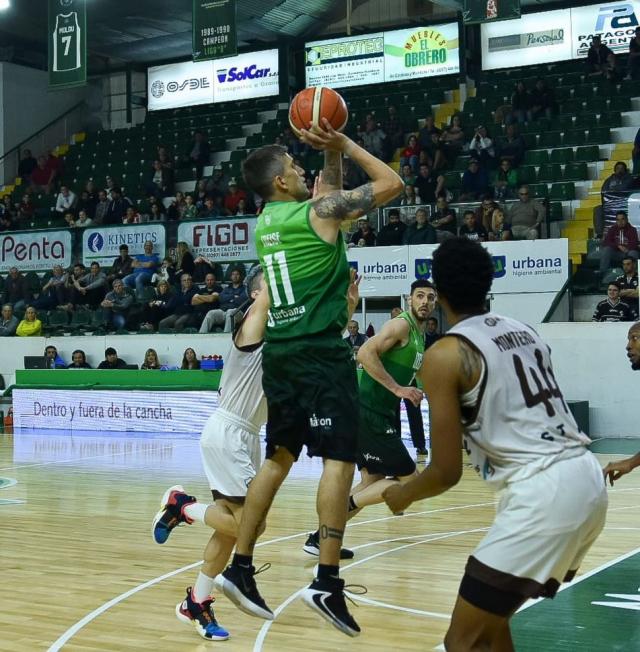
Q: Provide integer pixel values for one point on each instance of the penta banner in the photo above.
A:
(214, 29)
(102, 244)
(35, 251)
(484, 11)
(67, 43)
(221, 240)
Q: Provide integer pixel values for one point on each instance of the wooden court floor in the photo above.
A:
(80, 570)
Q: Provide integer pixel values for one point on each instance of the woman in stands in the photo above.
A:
(30, 326)
(184, 261)
(151, 360)
(158, 308)
(500, 229)
(452, 139)
(190, 360)
(520, 104)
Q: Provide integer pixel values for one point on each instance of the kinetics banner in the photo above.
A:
(214, 29)
(102, 244)
(67, 43)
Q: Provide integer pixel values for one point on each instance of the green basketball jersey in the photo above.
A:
(66, 43)
(308, 278)
(401, 363)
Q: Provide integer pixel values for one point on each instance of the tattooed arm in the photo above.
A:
(330, 179)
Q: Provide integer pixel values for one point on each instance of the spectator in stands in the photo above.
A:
(409, 197)
(485, 211)
(633, 62)
(7, 218)
(190, 360)
(66, 201)
(374, 138)
(471, 229)
(53, 291)
(26, 166)
(117, 208)
(55, 164)
(157, 308)
(620, 180)
(199, 152)
(201, 193)
(475, 182)
(156, 212)
(79, 360)
(185, 263)
(233, 196)
(166, 272)
(411, 154)
(164, 156)
(429, 141)
(8, 321)
(394, 129)
(116, 305)
(205, 266)
(87, 203)
(42, 177)
(444, 219)
(190, 210)
(70, 219)
(505, 181)
(91, 288)
(364, 234)
(407, 175)
(392, 232)
(159, 181)
(26, 208)
(525, 216)
(52, 359)
(543, 101)
(500, 229)
(353, 176)
(210, 210)
(144, 266)
(182, 311)
(111, 360)
(428, 184)
(131, 216)
(481, 148)
(600, 59)
(355, 339)
(512, 146)
(151, 360)
(83, 220)
(431, 335)
(177, 207)
(102, 206)
(79, 271)
(520, 104)
(420, 232)
(612, 308)
(231, 299)
(620, 242)
(30, 326)
(243, 208)
(121, 266)
(16, 290)
(452, 139)
(207, 298)
(628, 284)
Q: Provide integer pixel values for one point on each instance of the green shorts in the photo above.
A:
(312, 394)
(380, 447)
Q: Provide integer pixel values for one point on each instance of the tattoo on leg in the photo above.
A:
(331, 533)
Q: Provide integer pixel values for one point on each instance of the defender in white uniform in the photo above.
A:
(493, 393)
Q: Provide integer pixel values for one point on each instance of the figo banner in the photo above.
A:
(221, 240)
(102, 244)
(35, 251)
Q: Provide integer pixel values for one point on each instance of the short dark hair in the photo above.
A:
(82, 353)
(124, 246)
(623, 213)
(463, 273)
(433, 319)
(394, 211)
(253, 278)
(421, 283)
(469, 213)
(260, 168)
(110, 351)
(631, 258)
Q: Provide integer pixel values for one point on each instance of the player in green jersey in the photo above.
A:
(309, 377)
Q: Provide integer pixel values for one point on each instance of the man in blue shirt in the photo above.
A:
(144, 266)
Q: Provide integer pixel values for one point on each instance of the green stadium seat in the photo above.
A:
(536, 157)
(564, 122)
(588, 153)
(564, 155)
(619, 103)
(576, 172)
(599, 135)
(610, 119)
(452, 180)
(586, 120)
(574, 137)
(555, 212)
(527, 174)
(539, 190)
(562, 192)
(550, 139)
(549, 172)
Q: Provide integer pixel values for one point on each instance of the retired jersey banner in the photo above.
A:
(222, 240)
(35, 251)
(67, 39)
(102, 244)
(214, 29)
(484, 11)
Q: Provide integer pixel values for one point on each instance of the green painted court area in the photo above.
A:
(573, 622)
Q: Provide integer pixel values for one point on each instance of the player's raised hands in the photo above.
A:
(325, 137)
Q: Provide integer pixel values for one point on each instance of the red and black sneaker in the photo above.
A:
(171, 513)
(201, 616)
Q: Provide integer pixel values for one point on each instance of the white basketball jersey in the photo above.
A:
(516, 421)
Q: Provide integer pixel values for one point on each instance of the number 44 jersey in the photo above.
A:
(516, 421)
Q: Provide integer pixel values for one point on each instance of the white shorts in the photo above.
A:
(230, 455)
(543, 528)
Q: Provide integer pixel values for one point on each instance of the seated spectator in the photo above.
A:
(52, 359)
(392, 232)
(163, 154)
(500, 229)
(355, 339)
(53, 291)
(243, 208)
(543, 101)
(131, 216)
(364, 233)
(233, 196)
(429, 141)
(620, 242)
(30, 326)
(452, 139)
(428, 184)
(82, 221)
(198, 152)
(70, 219)
(512, 146)
(55, 164)
(409, 197)
(485, 211)
(205, 266)
(190, 210)
(353, 175)
(116, 305)
(420, 232)
(66, 201)
(374, 138)
(505, 181)
(111, 360)
(207, 298)
(182, 311)
(394, 129)
(8, 321)
(201, 193)
(190, 360)
(122, 265)
(620, 180)
(184, 263)
(210, 210)
(7, 219)
(70, 292)
(42, 177)
(79, 360)
(117, 208)
(633, 61)
(230, 299)
(520, 104)
(177, 207)
(612, 308)
(150, 360)
(443, 220)
(26, 208)
(481, 148)
(475, 182)
(144, 266)
(166, 272)
(157, 308)
(159, 181)
(600, 59)
(525, 216)
(87, 203)
(410, 154)
(26, 166)
(16, 290)
(470, 229)
(91, 288)
(628, 284)
(101, 208)
(407, 175)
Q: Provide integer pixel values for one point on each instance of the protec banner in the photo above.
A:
(35, 251)
(222, 240)
(102, 244)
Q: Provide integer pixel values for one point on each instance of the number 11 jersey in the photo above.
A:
(516, 421)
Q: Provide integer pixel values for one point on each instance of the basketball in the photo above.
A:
(312, 104)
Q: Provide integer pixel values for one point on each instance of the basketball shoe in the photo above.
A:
(201, 616)
(171, 513)
(312, 547)
(237, 583)
(327, 598)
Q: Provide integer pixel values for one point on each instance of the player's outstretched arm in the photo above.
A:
(615, 470)
(394, 332)
(440, 375)
(353, 293)
(255, 323)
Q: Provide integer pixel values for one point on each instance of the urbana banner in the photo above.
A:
(67, 43)
(214, 29)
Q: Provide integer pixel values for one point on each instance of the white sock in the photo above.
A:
(203, 588)
(196, 511)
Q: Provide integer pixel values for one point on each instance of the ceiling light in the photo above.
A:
(4, 5)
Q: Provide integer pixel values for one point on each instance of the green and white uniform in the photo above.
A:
(66, 43)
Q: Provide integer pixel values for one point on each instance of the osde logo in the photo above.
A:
(192, 84)
(234, 74)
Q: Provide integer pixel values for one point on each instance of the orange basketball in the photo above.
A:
(312, 104)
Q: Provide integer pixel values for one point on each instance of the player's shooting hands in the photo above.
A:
(325, 137)
(410, 394)
(396, 499)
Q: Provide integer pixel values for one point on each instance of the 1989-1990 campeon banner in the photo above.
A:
(214, 29)
(67, 39)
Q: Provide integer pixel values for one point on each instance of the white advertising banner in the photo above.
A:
(222, 240)
(384, 270)
(113, 411)
(35, 251)
(614, 22)
(246, 76)
(383, 56)
(102, 244)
